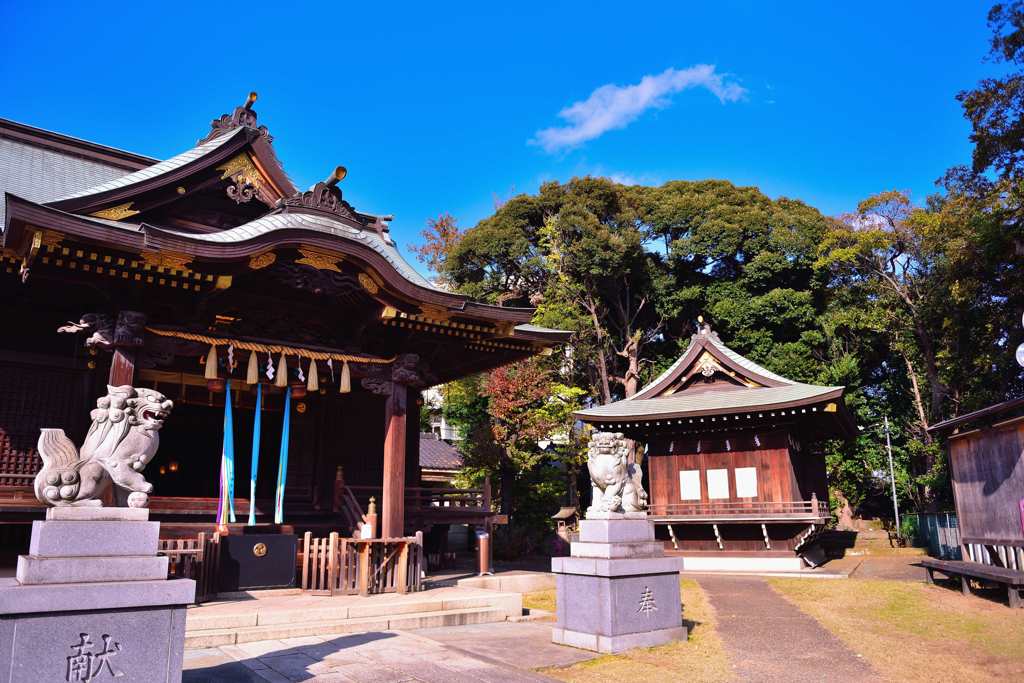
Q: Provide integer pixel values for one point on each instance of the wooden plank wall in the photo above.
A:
(987, 468)
(776, 479)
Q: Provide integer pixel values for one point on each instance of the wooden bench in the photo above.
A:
(1013, 580)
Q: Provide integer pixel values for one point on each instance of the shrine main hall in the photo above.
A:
(208, 275)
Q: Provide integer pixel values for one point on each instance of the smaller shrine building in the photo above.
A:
(736, 474)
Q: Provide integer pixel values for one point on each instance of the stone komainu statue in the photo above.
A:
(122, 440)
(617, 483)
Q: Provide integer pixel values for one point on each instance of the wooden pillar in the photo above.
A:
(393, 499)
(129, 330)
(122, 368)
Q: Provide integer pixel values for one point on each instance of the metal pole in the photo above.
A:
(892, 478)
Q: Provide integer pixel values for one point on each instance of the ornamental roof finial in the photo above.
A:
(242, 116)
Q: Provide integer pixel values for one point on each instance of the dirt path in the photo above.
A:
(768, 639)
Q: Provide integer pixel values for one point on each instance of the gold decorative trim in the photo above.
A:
(51, 239)
(504, 329)
(368, 284)
(242, 169)
(166, 259)
(116, 213)
(260, 261)
(223, 282)
(319, 259)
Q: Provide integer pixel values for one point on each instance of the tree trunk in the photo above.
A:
(508, 477)
(632, 353)
(938, 390)
(918, 401)
(602, 363)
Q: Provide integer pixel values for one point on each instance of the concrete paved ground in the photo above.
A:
(525, 645)
(385, 656)
(768, 639)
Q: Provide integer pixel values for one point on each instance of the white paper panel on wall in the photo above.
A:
(718, 483)
(746, 482)
(689, 484)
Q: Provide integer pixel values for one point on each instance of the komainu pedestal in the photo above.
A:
(617, 590)
(92, 602)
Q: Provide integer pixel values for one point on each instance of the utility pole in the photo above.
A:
(892, 477)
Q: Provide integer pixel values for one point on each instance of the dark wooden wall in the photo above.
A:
(987, 469)
(777, 478)
(35, 392)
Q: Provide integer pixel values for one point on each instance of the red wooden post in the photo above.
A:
(122, 367)
(393, 498)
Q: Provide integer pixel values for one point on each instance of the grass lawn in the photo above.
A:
(914, 632)
(701, 658)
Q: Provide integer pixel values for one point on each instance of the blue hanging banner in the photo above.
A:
(282, 467)
(229, 452)
(256, 422)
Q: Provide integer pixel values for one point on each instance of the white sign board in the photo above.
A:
(689, 484)
(746, 482)
(718, 484)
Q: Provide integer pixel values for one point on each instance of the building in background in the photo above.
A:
(737, 478)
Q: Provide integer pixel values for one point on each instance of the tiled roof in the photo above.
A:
(318, 223)
(156, 169)
(42, 175)
(528, 328)
(438, 455)
(746, 362)
(711, 403)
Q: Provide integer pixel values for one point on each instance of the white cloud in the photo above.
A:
(616, 106)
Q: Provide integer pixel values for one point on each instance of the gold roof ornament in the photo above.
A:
(368, 284)
(319, 259)
(260, 261)
(116, 213)
(165, 259)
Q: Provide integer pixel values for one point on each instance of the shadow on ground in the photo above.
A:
(296, 663)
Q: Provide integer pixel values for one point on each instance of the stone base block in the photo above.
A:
(618, 605)
(622, 530)
(618, 550)
(34, 570)
(140, 644)
(614, 644)
(595, 566)
(60, 538)
(97, 514)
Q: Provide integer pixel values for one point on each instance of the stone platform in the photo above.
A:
(281, 614)
(617, 590)
(92, 600)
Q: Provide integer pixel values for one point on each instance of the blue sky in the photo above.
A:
(439, 107)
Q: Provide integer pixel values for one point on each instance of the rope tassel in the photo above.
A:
(252, 374)
(281, 379)
(211, 363)
(312, 380)
(345, 385)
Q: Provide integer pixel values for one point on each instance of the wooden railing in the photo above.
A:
(729, 508)
(194, 558)
(423, 498)
(348, 566)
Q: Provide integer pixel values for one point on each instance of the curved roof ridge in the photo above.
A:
(747, 363)
(308, 221)
(157, 169)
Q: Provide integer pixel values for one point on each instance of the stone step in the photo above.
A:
(215, 637)
(210, 617)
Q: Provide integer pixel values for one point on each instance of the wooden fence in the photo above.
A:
(351, 566)
(194, 558)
